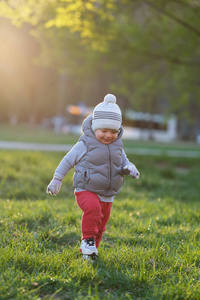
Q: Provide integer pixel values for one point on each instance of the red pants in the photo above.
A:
(95, 215)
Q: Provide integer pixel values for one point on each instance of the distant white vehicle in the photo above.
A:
(145, 126)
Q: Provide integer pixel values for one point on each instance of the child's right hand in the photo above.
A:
(54, 187)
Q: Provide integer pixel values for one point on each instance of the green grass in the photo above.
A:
(25, 133)
(149, 251)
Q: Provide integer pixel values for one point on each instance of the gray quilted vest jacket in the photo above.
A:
(100, 170)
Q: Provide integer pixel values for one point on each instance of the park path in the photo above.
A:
(66, 148)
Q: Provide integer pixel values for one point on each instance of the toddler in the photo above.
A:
(100, 165)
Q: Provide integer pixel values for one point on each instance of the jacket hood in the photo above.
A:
(87, 127)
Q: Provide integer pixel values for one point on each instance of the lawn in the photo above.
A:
(149, 251)
(25, 133)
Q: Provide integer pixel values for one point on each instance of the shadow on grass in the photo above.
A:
(105, 285)
(65, 239)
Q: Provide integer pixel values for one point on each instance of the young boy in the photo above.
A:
(100, 165)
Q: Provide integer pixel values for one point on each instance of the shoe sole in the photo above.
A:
(87, 256)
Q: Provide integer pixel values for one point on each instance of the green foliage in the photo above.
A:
(147, 52)
(149, 251)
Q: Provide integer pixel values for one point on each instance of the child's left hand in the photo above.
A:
(131, 168)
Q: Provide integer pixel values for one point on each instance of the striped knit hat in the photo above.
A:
(107, 114)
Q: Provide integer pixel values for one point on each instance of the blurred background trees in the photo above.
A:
(59, 52)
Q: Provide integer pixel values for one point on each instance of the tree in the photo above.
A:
(159, 39)
(148, 52)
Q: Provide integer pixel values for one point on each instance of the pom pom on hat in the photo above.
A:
(107, 114)
(109, 98)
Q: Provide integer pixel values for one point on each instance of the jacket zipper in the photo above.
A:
(109, 156)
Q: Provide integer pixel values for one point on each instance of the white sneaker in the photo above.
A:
(88, 247)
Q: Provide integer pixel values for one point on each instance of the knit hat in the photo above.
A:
(107, 114)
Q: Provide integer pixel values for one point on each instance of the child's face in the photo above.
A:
(106, 136)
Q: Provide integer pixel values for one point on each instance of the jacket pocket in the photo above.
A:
(86, 176)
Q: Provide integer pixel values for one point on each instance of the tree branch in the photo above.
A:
(174, 18)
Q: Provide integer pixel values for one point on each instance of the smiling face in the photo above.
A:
(106, 136)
